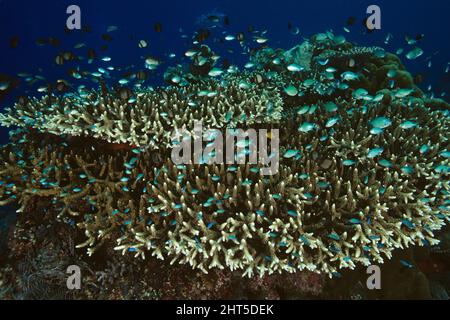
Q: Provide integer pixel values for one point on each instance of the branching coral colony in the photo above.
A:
(364, 163)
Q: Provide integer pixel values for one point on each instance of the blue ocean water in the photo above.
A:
(26, 21)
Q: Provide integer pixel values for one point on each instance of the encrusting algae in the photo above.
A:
(364, 163)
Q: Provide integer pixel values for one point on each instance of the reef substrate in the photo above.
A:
(364, 164)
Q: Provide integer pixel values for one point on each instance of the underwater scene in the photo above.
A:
(224, 150)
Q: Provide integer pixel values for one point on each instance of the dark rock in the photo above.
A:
(8, 219)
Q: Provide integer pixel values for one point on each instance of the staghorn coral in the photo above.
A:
(110, 276)
(350, 53)
(344, 194)
(151, 119)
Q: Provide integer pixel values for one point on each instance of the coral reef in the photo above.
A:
(35, 262)
(109, 276)
(149, 120)
(364, 164)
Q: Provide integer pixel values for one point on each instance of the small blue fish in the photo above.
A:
(424, 148)
(376, 131)
(380, 122)
(380, 53)
(385, 163)
(348, 163)
(442, 169)
(349, 76)
(304, 240)
(307, 127)
(177, 206)
(334, 236)
(255, 170)
(303, 110)
(292, 213)
(331, 122)
(401, 93)
(295, 67)
(408, 124)
(360, 93)
(408, 224)
(375, 152)
(407, 170)
(406, 264)
(330, 106)
(445, 154)
(290, 154)
(414, 53)
(323, 184)
(291, 90)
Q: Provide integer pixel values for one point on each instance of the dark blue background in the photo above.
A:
(30, 20)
